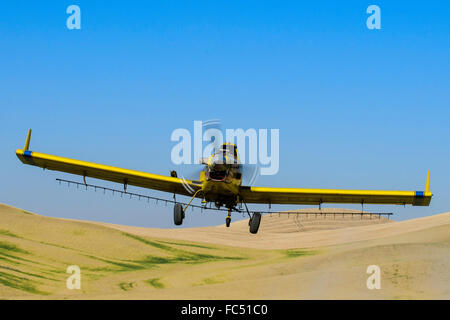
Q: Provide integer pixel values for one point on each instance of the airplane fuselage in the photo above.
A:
(223, 191)
(222, 177)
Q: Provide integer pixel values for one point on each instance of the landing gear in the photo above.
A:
(254, 222)
(178, 214)
(228, 219)
(178, 210)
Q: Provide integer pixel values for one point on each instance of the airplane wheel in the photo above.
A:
(254, 222)
(228, 221)
(178, 214)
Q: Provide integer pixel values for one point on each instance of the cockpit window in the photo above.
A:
(230, 149)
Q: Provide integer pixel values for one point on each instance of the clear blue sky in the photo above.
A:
(356, 108)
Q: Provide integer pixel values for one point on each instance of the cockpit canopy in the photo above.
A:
(229, 149)
(221, 161)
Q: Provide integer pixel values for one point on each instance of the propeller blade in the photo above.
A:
(191, 172)
(250, 173)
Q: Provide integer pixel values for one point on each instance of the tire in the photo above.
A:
(254, 222)
(227, 222)
(178, 214)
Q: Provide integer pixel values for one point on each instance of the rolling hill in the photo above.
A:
(318, 259)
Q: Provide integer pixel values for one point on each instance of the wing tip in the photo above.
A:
(27, 141)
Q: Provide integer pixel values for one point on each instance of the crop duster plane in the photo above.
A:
(221, 183)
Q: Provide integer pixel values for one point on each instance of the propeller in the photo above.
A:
(192, 171)
(250, 173)
(210, 128)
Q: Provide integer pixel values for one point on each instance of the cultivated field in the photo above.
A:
(292, 257)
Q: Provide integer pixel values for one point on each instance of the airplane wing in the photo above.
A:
(104, 172)
(318, 196)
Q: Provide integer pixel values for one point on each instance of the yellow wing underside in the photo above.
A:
(318, 196)
(109, 173)
(246, 194)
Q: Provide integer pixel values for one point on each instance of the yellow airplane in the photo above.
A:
(221, 183)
